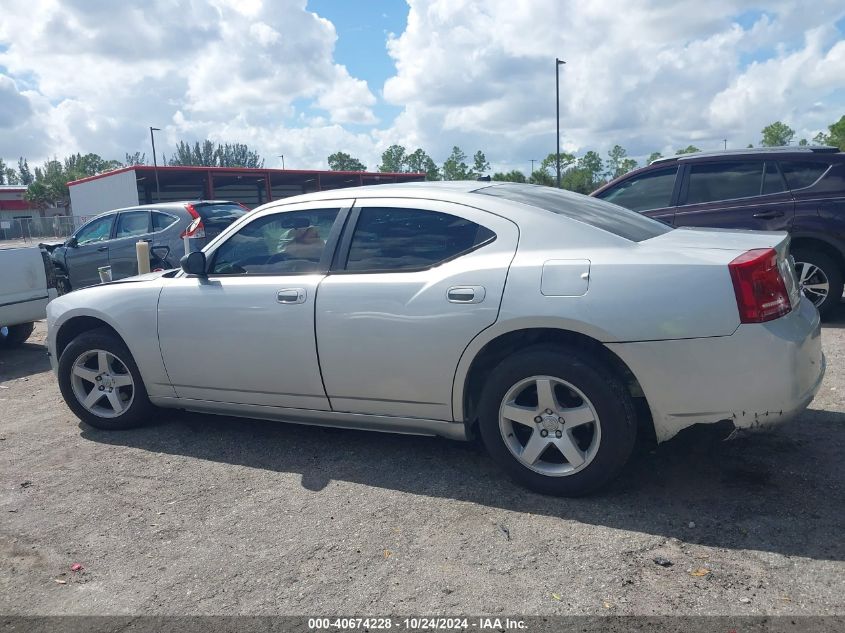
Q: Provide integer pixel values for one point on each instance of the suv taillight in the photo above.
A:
(196, 229)
(760, 291)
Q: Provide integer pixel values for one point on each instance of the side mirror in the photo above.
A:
(193, 263)
(71, 242)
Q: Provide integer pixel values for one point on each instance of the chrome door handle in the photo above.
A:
(466, 294)
(102, 249)
(768, 215)
(291, 295)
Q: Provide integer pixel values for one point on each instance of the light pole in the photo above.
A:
(533, 160)
(282, 156)
(726, 142)
(155, 163)
(558, 63)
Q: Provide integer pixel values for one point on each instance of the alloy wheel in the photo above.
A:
(550, 426)
(813, 282)
(102, 383)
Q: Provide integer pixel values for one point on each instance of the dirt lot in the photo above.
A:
(207, 515)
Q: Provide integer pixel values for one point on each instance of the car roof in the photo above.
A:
(753, 151)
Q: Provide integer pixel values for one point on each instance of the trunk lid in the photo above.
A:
(733, 243)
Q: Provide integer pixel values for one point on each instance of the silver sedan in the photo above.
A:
(533, 317)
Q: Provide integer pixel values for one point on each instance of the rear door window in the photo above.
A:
(162, 220)
(652, 190)
(131, 223)
(800, 173)
(772, 180)
(388, 239)
(729, 180)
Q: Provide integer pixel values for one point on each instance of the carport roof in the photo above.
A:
(293, 174)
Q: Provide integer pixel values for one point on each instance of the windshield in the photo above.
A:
(598, 213)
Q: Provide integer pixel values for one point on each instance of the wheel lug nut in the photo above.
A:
(544, 433)
(99, 378)
(548, 410)
(558, 434)
(538, 419)
(101, 388)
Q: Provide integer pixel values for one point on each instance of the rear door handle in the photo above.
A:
(466, 294)
(291, 295)
(768, 215)
(103, 248)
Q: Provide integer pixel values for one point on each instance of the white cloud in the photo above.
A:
(647, 74)
(103, 72)
(92, 75)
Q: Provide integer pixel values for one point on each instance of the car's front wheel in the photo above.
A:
(820, 279)
(556, 421)
(100, 382)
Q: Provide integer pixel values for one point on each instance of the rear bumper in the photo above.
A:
(763, 374)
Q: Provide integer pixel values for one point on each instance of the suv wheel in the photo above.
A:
(100, 382)
(820, 279)
(557, 422)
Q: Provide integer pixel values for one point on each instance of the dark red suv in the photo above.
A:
(796, 189)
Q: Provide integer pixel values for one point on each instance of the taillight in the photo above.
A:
(196, 229)
(760, 290)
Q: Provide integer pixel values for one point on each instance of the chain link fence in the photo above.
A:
(39, 229)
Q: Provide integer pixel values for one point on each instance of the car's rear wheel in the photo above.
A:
(100, 382)
(15, 335)
(558, 422)
(820, 279)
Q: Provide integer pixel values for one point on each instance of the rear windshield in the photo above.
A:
(598, 213)
(219, 214)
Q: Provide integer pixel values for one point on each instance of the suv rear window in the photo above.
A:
(219, 212)
(800, 173)
(598, 213)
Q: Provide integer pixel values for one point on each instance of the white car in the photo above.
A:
(532, 316)
(27, 284)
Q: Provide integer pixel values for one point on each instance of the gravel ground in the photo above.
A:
(210, 515)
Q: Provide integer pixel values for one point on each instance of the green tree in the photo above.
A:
(24, 174)
(137, 158)
(749, 146)
(207, 154)
(689, 149)
(11, 176)
(653, 157)
(585, 176)
(511, 176)
(479, 164)
(618, 162)
(341, 161)
(420, 162)
(776, 134)
(836, 135)
(2, 172)
(803, 142)
(393, 160)
(455, 167)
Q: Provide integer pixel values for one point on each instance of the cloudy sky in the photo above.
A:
(307, 78)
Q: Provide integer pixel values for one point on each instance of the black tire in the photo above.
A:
(140, 409)
(834, 276)
(16, 335)
(606, 392)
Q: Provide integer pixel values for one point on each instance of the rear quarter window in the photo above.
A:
(802, 173)
(598, 213)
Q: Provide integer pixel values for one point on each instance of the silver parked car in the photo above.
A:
(109, 239)
(532, 316)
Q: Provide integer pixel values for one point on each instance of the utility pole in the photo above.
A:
(726, 142)
(155, 163)
(558, 63)
(282, 156)
(533, 160)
